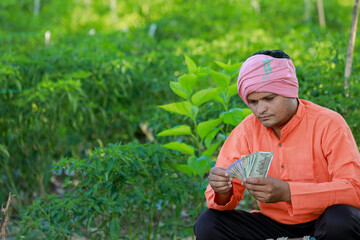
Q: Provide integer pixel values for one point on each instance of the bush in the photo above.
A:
(59, 100)
(209, 116)
(54, 105)
(124, 191)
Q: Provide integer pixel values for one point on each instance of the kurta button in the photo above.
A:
(280, 145)
(282, 166)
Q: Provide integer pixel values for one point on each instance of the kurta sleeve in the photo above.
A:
(234, 146)
(343, 160)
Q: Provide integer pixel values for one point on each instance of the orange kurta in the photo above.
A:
(316, 154)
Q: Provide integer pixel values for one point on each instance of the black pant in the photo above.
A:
(337, 222)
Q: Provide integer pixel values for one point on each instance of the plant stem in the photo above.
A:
(198, 143)
(7, 170)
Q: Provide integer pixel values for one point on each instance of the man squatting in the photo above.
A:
(313, 183)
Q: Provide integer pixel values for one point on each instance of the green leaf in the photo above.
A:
(180, 147)
(190, 64)
(178, 89)
(185, 169)
(235, 116)
(212, 149)
(219, 99)
(73, 101)
(4, 151)
(234, 74)
(97, 208)
(222, 98)
(205, 95)
(203, 72)
(211, 136)
(80, 74)
(178, 130)
(229, 68)
(191, 160)
(204, 128)
(220, 78)
(194, 111)
(114, 229)
(201, 165)
(187, 81)
(246, 112)
(232, 90)
(221, 64)
(183, 108)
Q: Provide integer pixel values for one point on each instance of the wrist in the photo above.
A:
(287, 197)
(223, 198)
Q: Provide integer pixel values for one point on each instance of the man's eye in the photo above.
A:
(252, 102)
(269, 99)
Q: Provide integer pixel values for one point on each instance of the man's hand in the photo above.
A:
(221, 183)
(268, 190)
(220, 180)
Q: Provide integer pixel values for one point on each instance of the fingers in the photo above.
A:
(219, 184)
(257, 181)
(257, 188)
(219, 175)
(223, 189)
(219, 180)
(220, 187)
(259, 194)
(268, 189)
(219, 172)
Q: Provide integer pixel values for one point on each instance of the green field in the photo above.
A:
(81, 85)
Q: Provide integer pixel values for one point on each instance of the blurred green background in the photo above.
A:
(78, 76)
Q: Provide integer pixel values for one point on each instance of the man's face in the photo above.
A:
(272, 110)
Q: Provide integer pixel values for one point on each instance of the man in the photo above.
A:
(313, 184)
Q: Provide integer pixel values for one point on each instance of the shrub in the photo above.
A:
(209, 125)
(124, 191)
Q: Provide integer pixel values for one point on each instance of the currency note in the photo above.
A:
(256, 164)
(261, 166)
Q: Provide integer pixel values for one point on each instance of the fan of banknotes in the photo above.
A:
(253, 165)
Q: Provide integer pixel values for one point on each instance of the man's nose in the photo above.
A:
(261, 107)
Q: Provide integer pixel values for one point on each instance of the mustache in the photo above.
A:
(263, 116)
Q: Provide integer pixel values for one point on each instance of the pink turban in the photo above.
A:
(263, 73)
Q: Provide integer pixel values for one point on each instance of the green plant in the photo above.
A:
(204, 134)
(123, 192)
(51, 103)
(59, 100)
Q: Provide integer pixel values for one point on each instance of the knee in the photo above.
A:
(205, 226)
(339, 220)
(340, 216)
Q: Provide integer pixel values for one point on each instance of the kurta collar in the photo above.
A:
(295, 120)
(292, 124)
